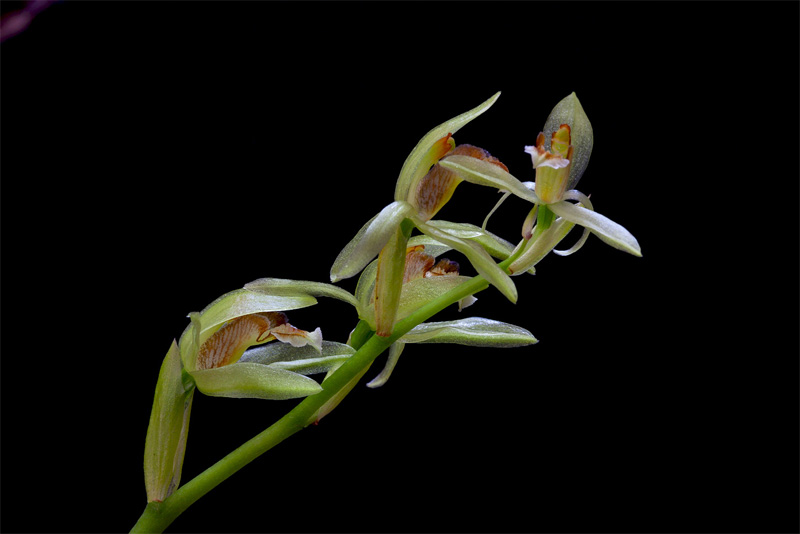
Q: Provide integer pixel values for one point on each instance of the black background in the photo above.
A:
(157, 155)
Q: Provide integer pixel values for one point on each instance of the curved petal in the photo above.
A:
(416, 164)
(391, 361)
(474, 331)
(506, 194)
(253, 380)
(369, 241)
(479, 258)
(612, 233)
(285, 287)
(481, 172)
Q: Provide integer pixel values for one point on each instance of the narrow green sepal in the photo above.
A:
(612, 233)
(369, 241)
(474, 331)
(484, 173)
(253, 380)
(285, 287)
(416, 164)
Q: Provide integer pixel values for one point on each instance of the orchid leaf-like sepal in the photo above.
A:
(612, 233)
(167, 432)
(419, 162)
(369, 241)
(473, 331)
(285, 287)
(485, 173)
(253, 380)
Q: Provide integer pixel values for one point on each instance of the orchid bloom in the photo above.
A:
(425, 278)
(212, 357)
(423, 187)
(559, 157)
(213, 344)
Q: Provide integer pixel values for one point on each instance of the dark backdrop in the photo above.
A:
(157, 155)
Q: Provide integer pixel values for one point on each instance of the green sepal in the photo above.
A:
(167, 432)
(369, 241)
(607, 230)
(302, 360)
(253, 380)
(285, 287)
(416, 164)
(474, 331)
(481, 172)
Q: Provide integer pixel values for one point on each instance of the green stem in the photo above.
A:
(158, 516)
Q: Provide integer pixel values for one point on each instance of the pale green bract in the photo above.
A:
(165, 444)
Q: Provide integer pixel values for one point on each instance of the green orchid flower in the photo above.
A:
(211, 357)
(423, 187)
(427, 277)
(560, 157)
(212, 345)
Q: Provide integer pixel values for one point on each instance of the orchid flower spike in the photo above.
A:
(560, 157)
(423, 187)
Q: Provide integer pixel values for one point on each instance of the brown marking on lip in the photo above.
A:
(436, 187)
(235, 336)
